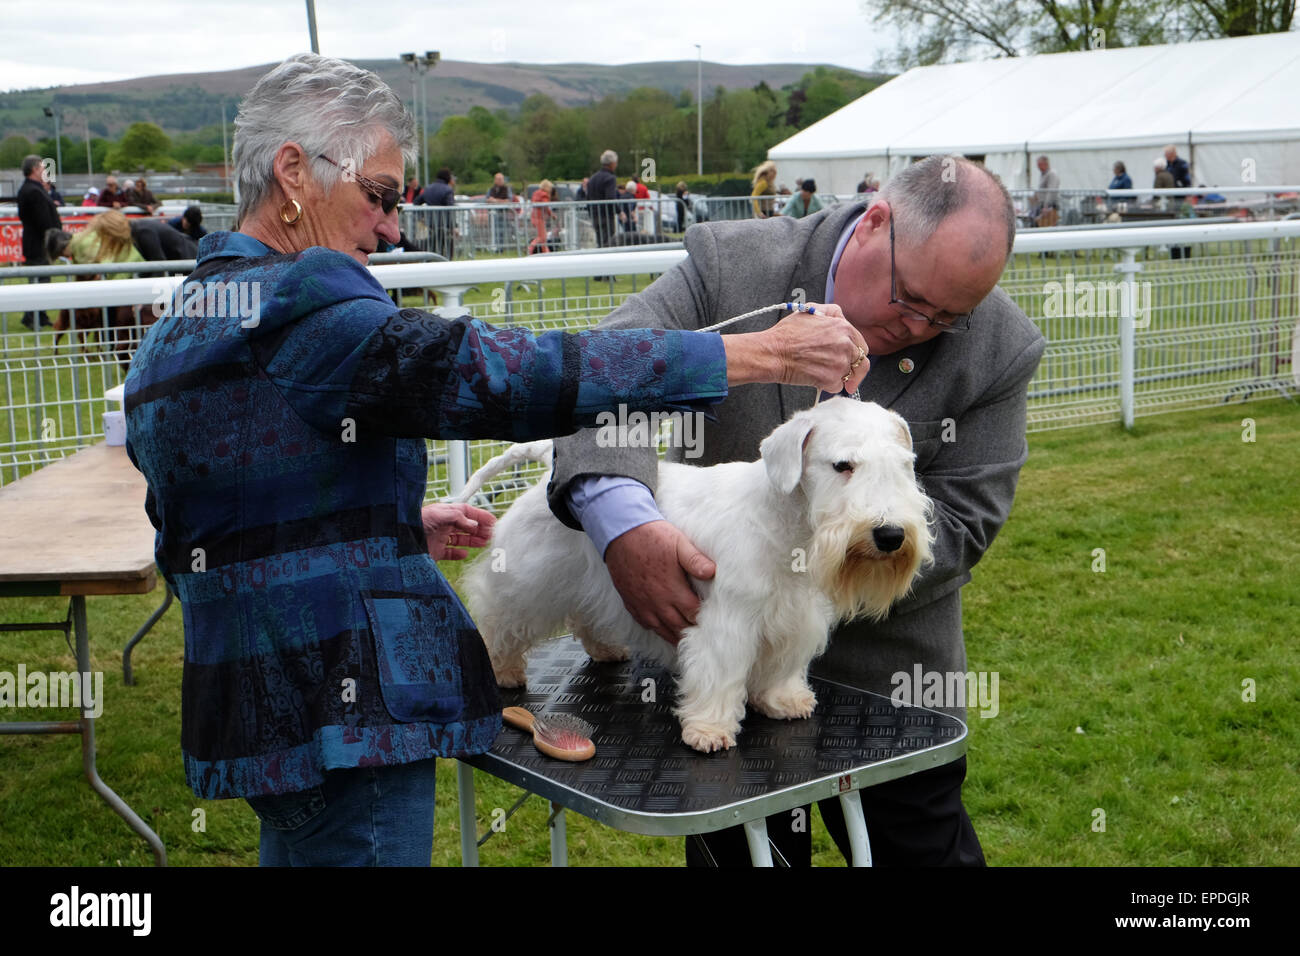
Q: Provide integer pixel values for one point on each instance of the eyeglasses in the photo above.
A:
(956, 323)
(388, 196)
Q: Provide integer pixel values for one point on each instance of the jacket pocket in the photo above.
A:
(927, 440)
(417, 653)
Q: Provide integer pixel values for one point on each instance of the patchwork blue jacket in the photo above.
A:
(280, 422)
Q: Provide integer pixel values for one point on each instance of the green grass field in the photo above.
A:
(1120, 691)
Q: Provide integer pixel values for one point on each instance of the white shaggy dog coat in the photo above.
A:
(828, 524)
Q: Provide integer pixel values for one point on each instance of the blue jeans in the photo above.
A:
(363, 816)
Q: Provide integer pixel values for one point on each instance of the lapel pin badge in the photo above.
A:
(906, 365)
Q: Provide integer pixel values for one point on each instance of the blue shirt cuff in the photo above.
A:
(608, 505)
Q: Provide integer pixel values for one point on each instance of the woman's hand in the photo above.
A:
(451, 528)
(823, 350)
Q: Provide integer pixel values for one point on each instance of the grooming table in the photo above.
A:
(643, 779)
(74, 528)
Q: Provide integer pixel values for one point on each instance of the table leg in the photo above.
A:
(88, 743)
(559, 839)
(851, 806)
(760, 852)
(127, 676)
(468, 821)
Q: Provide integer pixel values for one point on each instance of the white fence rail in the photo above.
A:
(1139, 321)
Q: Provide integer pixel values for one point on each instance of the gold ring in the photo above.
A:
(862, 356)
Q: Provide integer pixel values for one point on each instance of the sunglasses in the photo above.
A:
(387, 196)
(958, 323)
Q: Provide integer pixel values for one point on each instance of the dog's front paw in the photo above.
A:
(794, 705)
(606, 653)
(708, 738)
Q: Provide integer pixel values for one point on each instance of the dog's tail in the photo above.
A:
(512, 456)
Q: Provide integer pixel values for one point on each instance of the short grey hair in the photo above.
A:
(30, 163)
(325, 105)
(607, 157)
(924, 194)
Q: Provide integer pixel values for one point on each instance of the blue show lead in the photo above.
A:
(800, 307)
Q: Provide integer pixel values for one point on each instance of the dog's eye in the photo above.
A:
(843, 466)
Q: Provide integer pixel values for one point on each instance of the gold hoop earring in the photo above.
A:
(297, 212)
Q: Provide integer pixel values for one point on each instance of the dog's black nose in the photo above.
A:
(888, 538)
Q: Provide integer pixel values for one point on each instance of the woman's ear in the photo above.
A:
(290, 170)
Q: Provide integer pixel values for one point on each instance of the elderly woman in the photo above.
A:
(282, 433)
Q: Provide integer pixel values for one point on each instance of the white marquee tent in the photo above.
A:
(1231, 106)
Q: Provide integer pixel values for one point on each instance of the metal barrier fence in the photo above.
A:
(1139, 321)
(1087, 206)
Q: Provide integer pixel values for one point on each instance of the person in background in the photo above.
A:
(628, 192)
(1121, 180)
(581, 194)
(91, 198)
(683, 203)
(500, 194)
(38, 213)
(1047, 200)
(602, 189)
(108, 196)
(541, 215)
(106, 239)
(189, 222)
(144, 198)
(125, 196)
(159, 242)
(412, 190)
(764, 185)
(804, 202)
(1164, 178)
(869, 184)
(1178, 168)
(440, 193)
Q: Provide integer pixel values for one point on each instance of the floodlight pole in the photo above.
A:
(58, 144)
(699, 110)
(311, 25)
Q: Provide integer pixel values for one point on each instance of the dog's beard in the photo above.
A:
(858, 578)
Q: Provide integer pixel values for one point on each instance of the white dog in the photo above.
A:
(828, 525)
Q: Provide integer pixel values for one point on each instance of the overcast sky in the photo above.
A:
(83, 42)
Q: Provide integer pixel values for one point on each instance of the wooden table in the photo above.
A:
(74, 528)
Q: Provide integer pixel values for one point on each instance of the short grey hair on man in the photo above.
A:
(30, 163)
(607, 157)
(926, 193)
(326, 106)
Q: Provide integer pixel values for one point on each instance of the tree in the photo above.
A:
(944, 31)
(142, 146)
(13, 150)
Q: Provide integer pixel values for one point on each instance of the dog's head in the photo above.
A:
(852, 461)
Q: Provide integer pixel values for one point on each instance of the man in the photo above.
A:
(37, 213)
(930, 248)
(143, 197)
(602, 188)
(442, 227)
(108, 196)
(498, 194)
(804, 202)
(1178, 168)
(189, 222)
(1047, 201)
(125, 196)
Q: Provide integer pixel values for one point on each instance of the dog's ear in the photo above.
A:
(904, 432)
(782, 452)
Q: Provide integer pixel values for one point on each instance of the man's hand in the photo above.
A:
(649, 567)
(451, 528)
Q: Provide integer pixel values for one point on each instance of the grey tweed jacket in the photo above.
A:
(968, 466)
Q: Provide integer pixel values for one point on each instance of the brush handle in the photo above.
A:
(518, 717)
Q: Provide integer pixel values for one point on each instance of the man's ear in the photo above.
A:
(782, 452)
